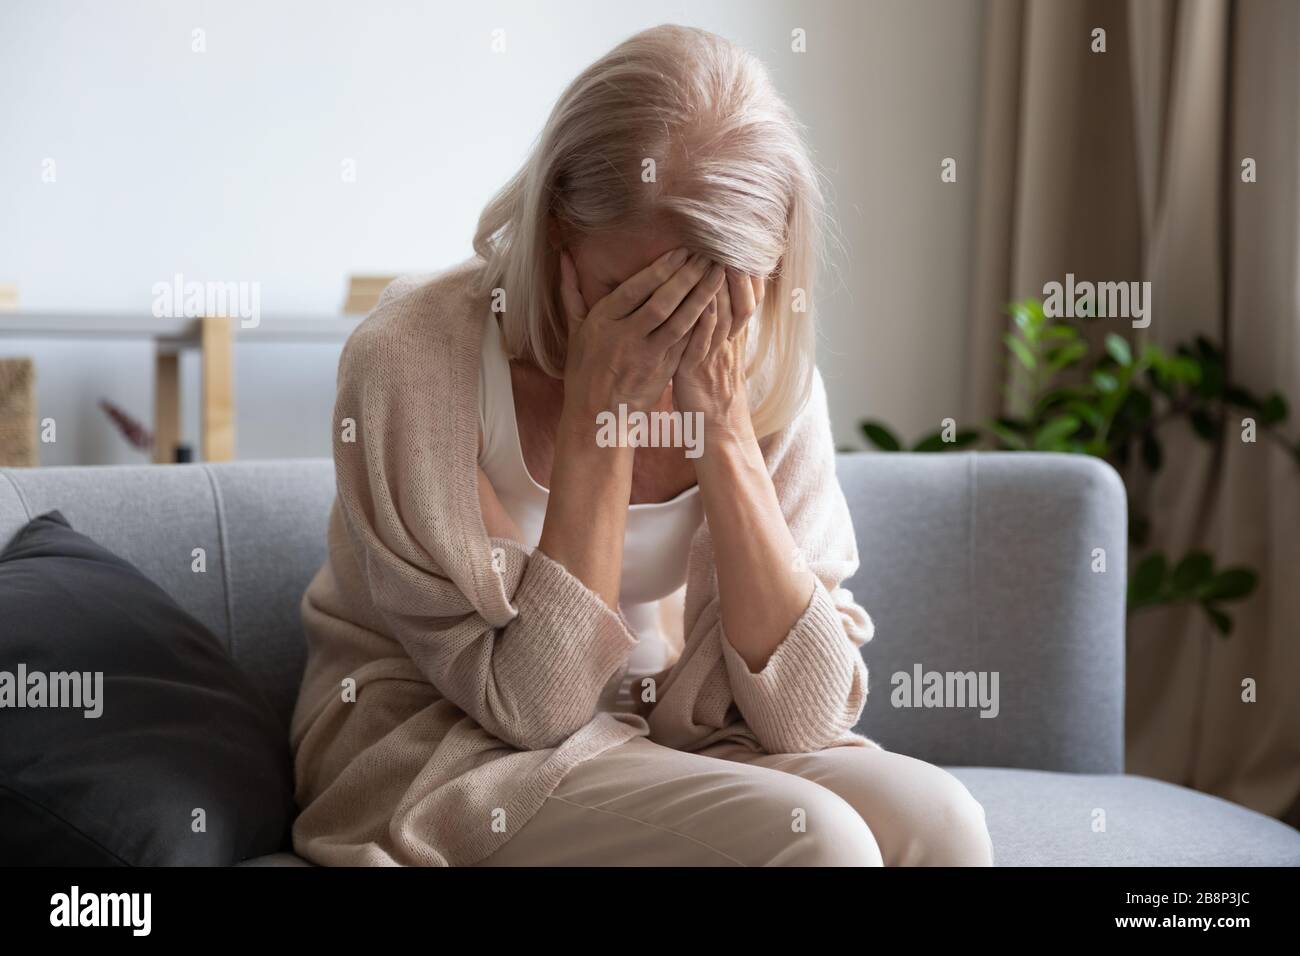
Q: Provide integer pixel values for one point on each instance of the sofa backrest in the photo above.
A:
(1006, 564)
(971, 563)
(261, 526)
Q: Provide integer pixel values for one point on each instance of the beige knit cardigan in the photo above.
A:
(452, 678)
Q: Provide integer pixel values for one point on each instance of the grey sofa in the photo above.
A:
(978, 563)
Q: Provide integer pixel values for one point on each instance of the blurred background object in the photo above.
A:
(17, 413)
(364, 292)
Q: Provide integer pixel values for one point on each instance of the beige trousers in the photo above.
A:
(642, 804)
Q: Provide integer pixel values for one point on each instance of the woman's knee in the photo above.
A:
(825, 830)
(920, 814)
(955, 832)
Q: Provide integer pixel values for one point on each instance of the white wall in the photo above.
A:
(225, 165)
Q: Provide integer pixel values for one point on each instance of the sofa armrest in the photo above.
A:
(988, 564)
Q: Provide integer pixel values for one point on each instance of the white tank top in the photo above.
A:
(656, 542)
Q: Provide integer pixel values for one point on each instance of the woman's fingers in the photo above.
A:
(633, 292)
(701, 337)
(684, 316)
(741, 291)
(664, 302)
(727, 323)
(760, 286)
(575, 309)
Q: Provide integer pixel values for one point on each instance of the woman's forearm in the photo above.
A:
(763, 587)
(586, 514)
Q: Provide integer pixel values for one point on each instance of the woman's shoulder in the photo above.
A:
(419, 320)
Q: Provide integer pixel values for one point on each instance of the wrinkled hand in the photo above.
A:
(710, 376)
(627, 347)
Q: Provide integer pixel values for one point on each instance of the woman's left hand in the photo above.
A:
(710, 377)
(762, 592)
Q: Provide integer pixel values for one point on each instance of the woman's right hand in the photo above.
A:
(624, 351)
(626, 348)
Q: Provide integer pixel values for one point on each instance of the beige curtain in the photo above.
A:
(1127, 165)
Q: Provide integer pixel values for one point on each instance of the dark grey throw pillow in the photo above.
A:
(128, 736)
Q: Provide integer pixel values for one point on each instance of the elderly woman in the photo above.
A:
(532, 644)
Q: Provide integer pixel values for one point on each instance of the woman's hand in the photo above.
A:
(710, 377)
(762, 589)
(622, 351)
(626, 348)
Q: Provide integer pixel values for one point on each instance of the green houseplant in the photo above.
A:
(1116, 404)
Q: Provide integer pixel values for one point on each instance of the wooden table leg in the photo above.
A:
(166, 406)
(217, 413)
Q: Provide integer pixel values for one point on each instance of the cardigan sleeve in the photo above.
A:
(538, 679)
(530, 668)
(813, 687)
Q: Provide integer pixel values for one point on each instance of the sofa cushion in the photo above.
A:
(157, 751)
(1038, 818)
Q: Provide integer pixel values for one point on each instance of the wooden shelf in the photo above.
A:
(182, 331)
(213, 337)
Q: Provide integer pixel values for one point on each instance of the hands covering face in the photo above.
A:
(710, 377)
(680, 319)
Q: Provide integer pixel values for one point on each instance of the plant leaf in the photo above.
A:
(1105, 382)
(1222, 623)
(1186, 370)
(1021, 351)
(1236, 395)
(1059, 358)
(1054, 432)
(1090, 414)
(1020, 315)
(1208, 349)
(1195, 569)
(1016, 442)
(935, 442)
(880, 436)
(1212, 381)
(1232, 584)
(1144, 587)
(1029, 315)
(1119, 349)
(1274, 410)
(1204, 425)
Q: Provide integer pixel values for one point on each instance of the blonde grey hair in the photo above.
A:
(733, 180)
